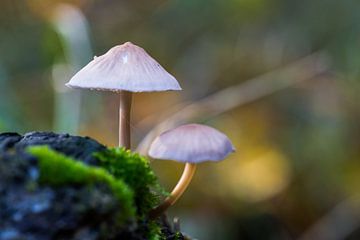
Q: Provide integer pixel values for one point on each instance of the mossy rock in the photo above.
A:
(57, 186)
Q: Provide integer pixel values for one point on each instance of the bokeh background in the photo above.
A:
(279, 77)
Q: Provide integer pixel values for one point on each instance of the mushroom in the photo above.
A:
(124, 69)
(190, 144)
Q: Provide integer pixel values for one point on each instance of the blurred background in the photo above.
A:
(280, 77)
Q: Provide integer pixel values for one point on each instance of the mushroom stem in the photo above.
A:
(124, 119)
(176, 193)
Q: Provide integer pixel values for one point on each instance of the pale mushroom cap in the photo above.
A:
(193, 143)
(124, 67)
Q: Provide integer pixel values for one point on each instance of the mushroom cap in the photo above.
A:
(191, 143)
(124, 67)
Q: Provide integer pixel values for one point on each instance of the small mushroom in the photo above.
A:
(124, 69)
(190, 144)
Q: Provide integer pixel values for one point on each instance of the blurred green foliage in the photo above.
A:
(298, 149)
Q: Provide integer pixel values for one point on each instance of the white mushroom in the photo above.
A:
(191, 144)
(124, 69)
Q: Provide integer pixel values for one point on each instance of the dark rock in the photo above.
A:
(32, 211)
(7, 140)
(73, 146)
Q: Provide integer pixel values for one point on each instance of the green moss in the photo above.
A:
(128, 175)
(57, 169)
(136, 172)
(178, 236)
(155, 231)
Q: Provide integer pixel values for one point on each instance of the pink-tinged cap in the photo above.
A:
(193, 143)
(124, 67)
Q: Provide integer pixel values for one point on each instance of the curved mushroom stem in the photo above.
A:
(124, 119)
(176, 193)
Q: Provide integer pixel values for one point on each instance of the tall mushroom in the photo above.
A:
(191, 144)
(124, 69)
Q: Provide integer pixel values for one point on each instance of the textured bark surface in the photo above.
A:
(29, 210)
